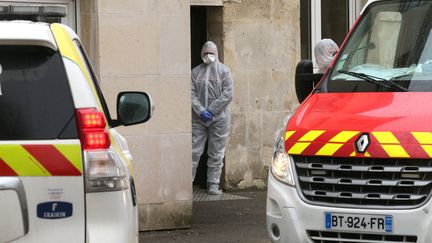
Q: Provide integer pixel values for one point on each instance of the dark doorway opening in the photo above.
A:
(206, 24)
(198, 33)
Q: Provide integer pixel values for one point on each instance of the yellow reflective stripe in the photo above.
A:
(395, 151)
(66, 45)
(344, 136)
(72, 152)
(427, 149)
(353, 154)
(69, 50)
(385, 137)
(288, 134)
(311, 135)
(391, 145)
(329, 149)
(22, 162)
(298, 148)
(423, 137)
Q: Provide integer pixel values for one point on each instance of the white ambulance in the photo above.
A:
(65, 173)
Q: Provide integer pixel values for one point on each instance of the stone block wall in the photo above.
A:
(145, 46)
(262, 48)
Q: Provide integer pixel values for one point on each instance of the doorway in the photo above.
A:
(206, 24)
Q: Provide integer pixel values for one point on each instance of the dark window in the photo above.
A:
(334, 23)
(35, 98)
(335, 19)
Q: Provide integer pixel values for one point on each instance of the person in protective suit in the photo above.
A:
(324, 52)
(212, 90)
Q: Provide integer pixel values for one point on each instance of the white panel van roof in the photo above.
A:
(26, 33)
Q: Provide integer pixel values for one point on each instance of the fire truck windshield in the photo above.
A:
(390, 50)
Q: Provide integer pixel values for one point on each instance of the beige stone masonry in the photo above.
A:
(145, 46)
(262, 48)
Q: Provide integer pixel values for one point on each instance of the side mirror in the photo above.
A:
(133, 108)
(305, 79)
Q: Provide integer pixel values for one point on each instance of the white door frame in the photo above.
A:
(315, 26)
(354, 10)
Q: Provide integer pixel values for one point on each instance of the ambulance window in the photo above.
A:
(35, 98)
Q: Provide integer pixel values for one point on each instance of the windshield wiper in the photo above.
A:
(376, 80)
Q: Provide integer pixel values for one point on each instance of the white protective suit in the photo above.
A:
(324, 51)
(212, 89)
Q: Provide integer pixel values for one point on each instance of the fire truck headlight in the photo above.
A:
(281, 166)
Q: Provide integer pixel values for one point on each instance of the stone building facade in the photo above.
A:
(261, 45)
(145, 45)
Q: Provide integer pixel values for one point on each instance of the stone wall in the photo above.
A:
(145, 46)
(89, 30)
(262, 47)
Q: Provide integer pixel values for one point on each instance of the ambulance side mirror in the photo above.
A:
(133, 108)
(305, 79)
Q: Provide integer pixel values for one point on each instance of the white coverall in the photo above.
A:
(324, 51)
(212, 89)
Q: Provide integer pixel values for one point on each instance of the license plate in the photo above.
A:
(358, 222)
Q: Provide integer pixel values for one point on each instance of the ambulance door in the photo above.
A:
(41, 172)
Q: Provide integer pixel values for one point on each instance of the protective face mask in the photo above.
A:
(209, 58)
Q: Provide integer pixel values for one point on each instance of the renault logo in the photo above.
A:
(362, 143)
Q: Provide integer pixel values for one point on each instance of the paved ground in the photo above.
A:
(241, 219)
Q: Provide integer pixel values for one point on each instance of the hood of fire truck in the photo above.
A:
(389, 125)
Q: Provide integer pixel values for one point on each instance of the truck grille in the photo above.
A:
(364, 182)
(337, 237)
